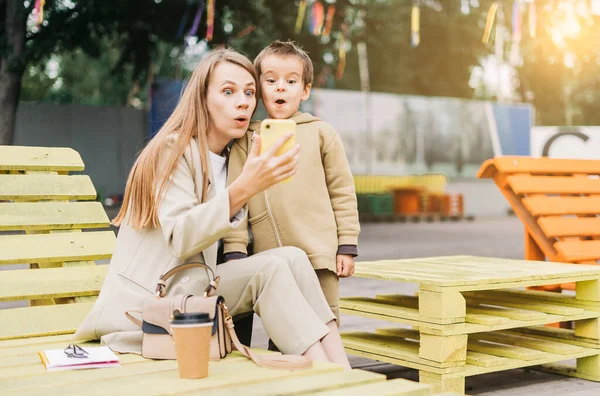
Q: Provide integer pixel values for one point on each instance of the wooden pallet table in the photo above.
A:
(472, 316)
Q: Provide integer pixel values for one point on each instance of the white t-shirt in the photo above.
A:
(219, 170)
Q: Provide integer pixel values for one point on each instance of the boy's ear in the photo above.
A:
(306, 93)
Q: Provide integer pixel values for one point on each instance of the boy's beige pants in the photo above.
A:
(330, 284)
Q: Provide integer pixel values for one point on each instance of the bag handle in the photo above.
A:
(161, 285)
(281, 362)
(133, 318)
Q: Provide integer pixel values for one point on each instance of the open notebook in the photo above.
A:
(57, 360)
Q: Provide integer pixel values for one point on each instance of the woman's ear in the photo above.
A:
(306, 93)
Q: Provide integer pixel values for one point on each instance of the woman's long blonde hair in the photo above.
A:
(189, 120)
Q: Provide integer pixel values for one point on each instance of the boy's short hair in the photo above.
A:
(287, 48)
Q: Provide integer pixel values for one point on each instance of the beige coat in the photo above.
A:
(316, 211)
(188, 233)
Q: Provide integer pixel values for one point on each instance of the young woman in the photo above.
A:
(177, 207)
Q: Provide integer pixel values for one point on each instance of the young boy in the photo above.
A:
(316, 210)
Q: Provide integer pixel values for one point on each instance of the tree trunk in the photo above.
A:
(12, 65)
(10, 88)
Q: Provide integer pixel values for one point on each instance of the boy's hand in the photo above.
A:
(344, 265)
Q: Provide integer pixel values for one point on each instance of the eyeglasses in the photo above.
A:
(75, 351)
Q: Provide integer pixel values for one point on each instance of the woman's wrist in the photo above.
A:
(239, 194)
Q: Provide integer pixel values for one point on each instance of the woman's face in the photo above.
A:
(231, 99)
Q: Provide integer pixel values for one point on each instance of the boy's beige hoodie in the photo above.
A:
(315, 211)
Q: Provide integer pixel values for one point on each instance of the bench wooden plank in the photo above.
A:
(42, 320)
(52, 215)
(58, 247)
(538, 166)
(302, 386)
(526, 184)
(162, 377)
(393, 387)
(540, 205)
(40, 158)
(52, 282)
(38, 186)
(556, 226)
(579, 250)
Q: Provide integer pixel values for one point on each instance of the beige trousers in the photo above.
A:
(330, 284)
(281, 286)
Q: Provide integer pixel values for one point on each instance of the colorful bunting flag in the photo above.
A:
(342, 57)
(489, 22)
(300, 17)
(415, 38)
(532, 19)
(39, 11)
(318, 17)
(210, 20)
(329, 20)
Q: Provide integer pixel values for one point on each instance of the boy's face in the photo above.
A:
(282, 86)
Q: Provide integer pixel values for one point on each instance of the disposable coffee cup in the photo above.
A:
(191, 333)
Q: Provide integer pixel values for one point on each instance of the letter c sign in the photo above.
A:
(560, 134)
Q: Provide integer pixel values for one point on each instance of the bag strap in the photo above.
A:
(161, 285)
(281, 362)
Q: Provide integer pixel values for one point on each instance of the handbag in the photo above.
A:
(157, 312)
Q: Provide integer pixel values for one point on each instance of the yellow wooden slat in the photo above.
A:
(538, 306)
(557, 226)
(484, 360)
(527, 342)
(504, 350)
(507, 313)
(39, 186)
(51, 283)
(300, 385)
(543, 205)
(40, 158)
(394, 387)
(565, 336)
(579, 250)
(472, 273)
(525, 184)
(17, 344)
(47, 248)
(526, 296)
(52, 215)
(42, 320)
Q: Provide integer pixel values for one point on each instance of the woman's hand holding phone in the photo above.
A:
(261, 171)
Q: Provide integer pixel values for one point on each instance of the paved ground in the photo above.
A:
(494, 237)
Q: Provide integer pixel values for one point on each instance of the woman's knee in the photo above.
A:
(273, 266)
(296, 257)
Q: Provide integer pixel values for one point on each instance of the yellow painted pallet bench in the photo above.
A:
(472, 317)
(558, 201)
(43, 213)
(50, 225)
